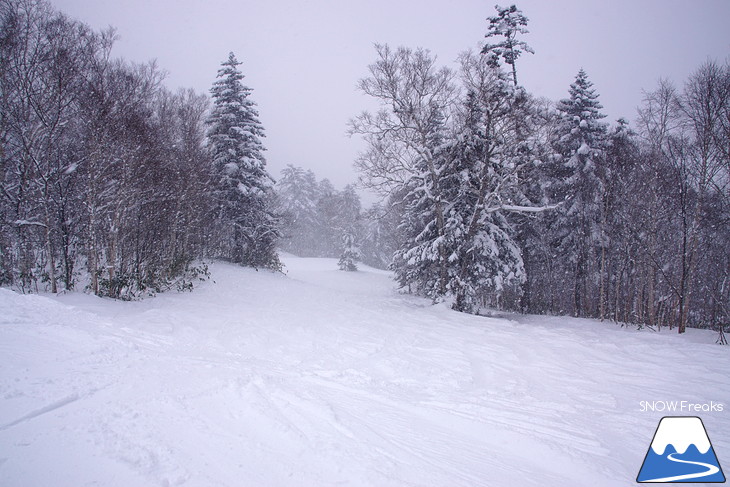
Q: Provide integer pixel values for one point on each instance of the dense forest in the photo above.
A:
(496, 198)
(108, 175)
(491, 197)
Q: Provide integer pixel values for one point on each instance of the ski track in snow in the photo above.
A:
(331, 378)
(43, 410)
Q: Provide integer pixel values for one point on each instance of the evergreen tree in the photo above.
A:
(507, 24)
(350, 253)
(298, 196)
(346, 226)
(452, 176)
(347, 215)
(486, 259)
(532, 234)
(577, 181)
(249, 228)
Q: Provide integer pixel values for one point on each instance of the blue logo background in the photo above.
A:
(689, 466)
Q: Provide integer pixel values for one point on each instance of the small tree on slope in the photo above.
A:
(350, 254)
(248, 228)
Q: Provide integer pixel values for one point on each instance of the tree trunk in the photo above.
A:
(49, 251)
(602, 292)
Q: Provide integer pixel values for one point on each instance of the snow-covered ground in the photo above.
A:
(330, 378)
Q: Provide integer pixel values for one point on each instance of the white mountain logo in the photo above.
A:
(681, 452)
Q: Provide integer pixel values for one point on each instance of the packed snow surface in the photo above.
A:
(324, 377)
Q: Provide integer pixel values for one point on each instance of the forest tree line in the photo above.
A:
(491, 197)
(496, 198)
(108, 177)
(507, 200)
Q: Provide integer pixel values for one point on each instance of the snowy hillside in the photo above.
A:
(332, 378)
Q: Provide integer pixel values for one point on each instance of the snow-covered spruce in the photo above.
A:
(577, 176)
(248, 227)
(350, 253)
(451, 169)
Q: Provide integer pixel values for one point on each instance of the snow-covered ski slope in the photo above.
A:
(323, 378)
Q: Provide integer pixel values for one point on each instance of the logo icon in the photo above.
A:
(680, 452)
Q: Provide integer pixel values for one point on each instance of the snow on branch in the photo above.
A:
(523, 209)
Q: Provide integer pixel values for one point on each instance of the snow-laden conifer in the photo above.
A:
(249, 229)
(350, 253)
(577, 181)
(297, 198)
(451, 168)
(507, 24)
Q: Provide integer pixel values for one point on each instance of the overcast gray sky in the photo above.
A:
(303, 58)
